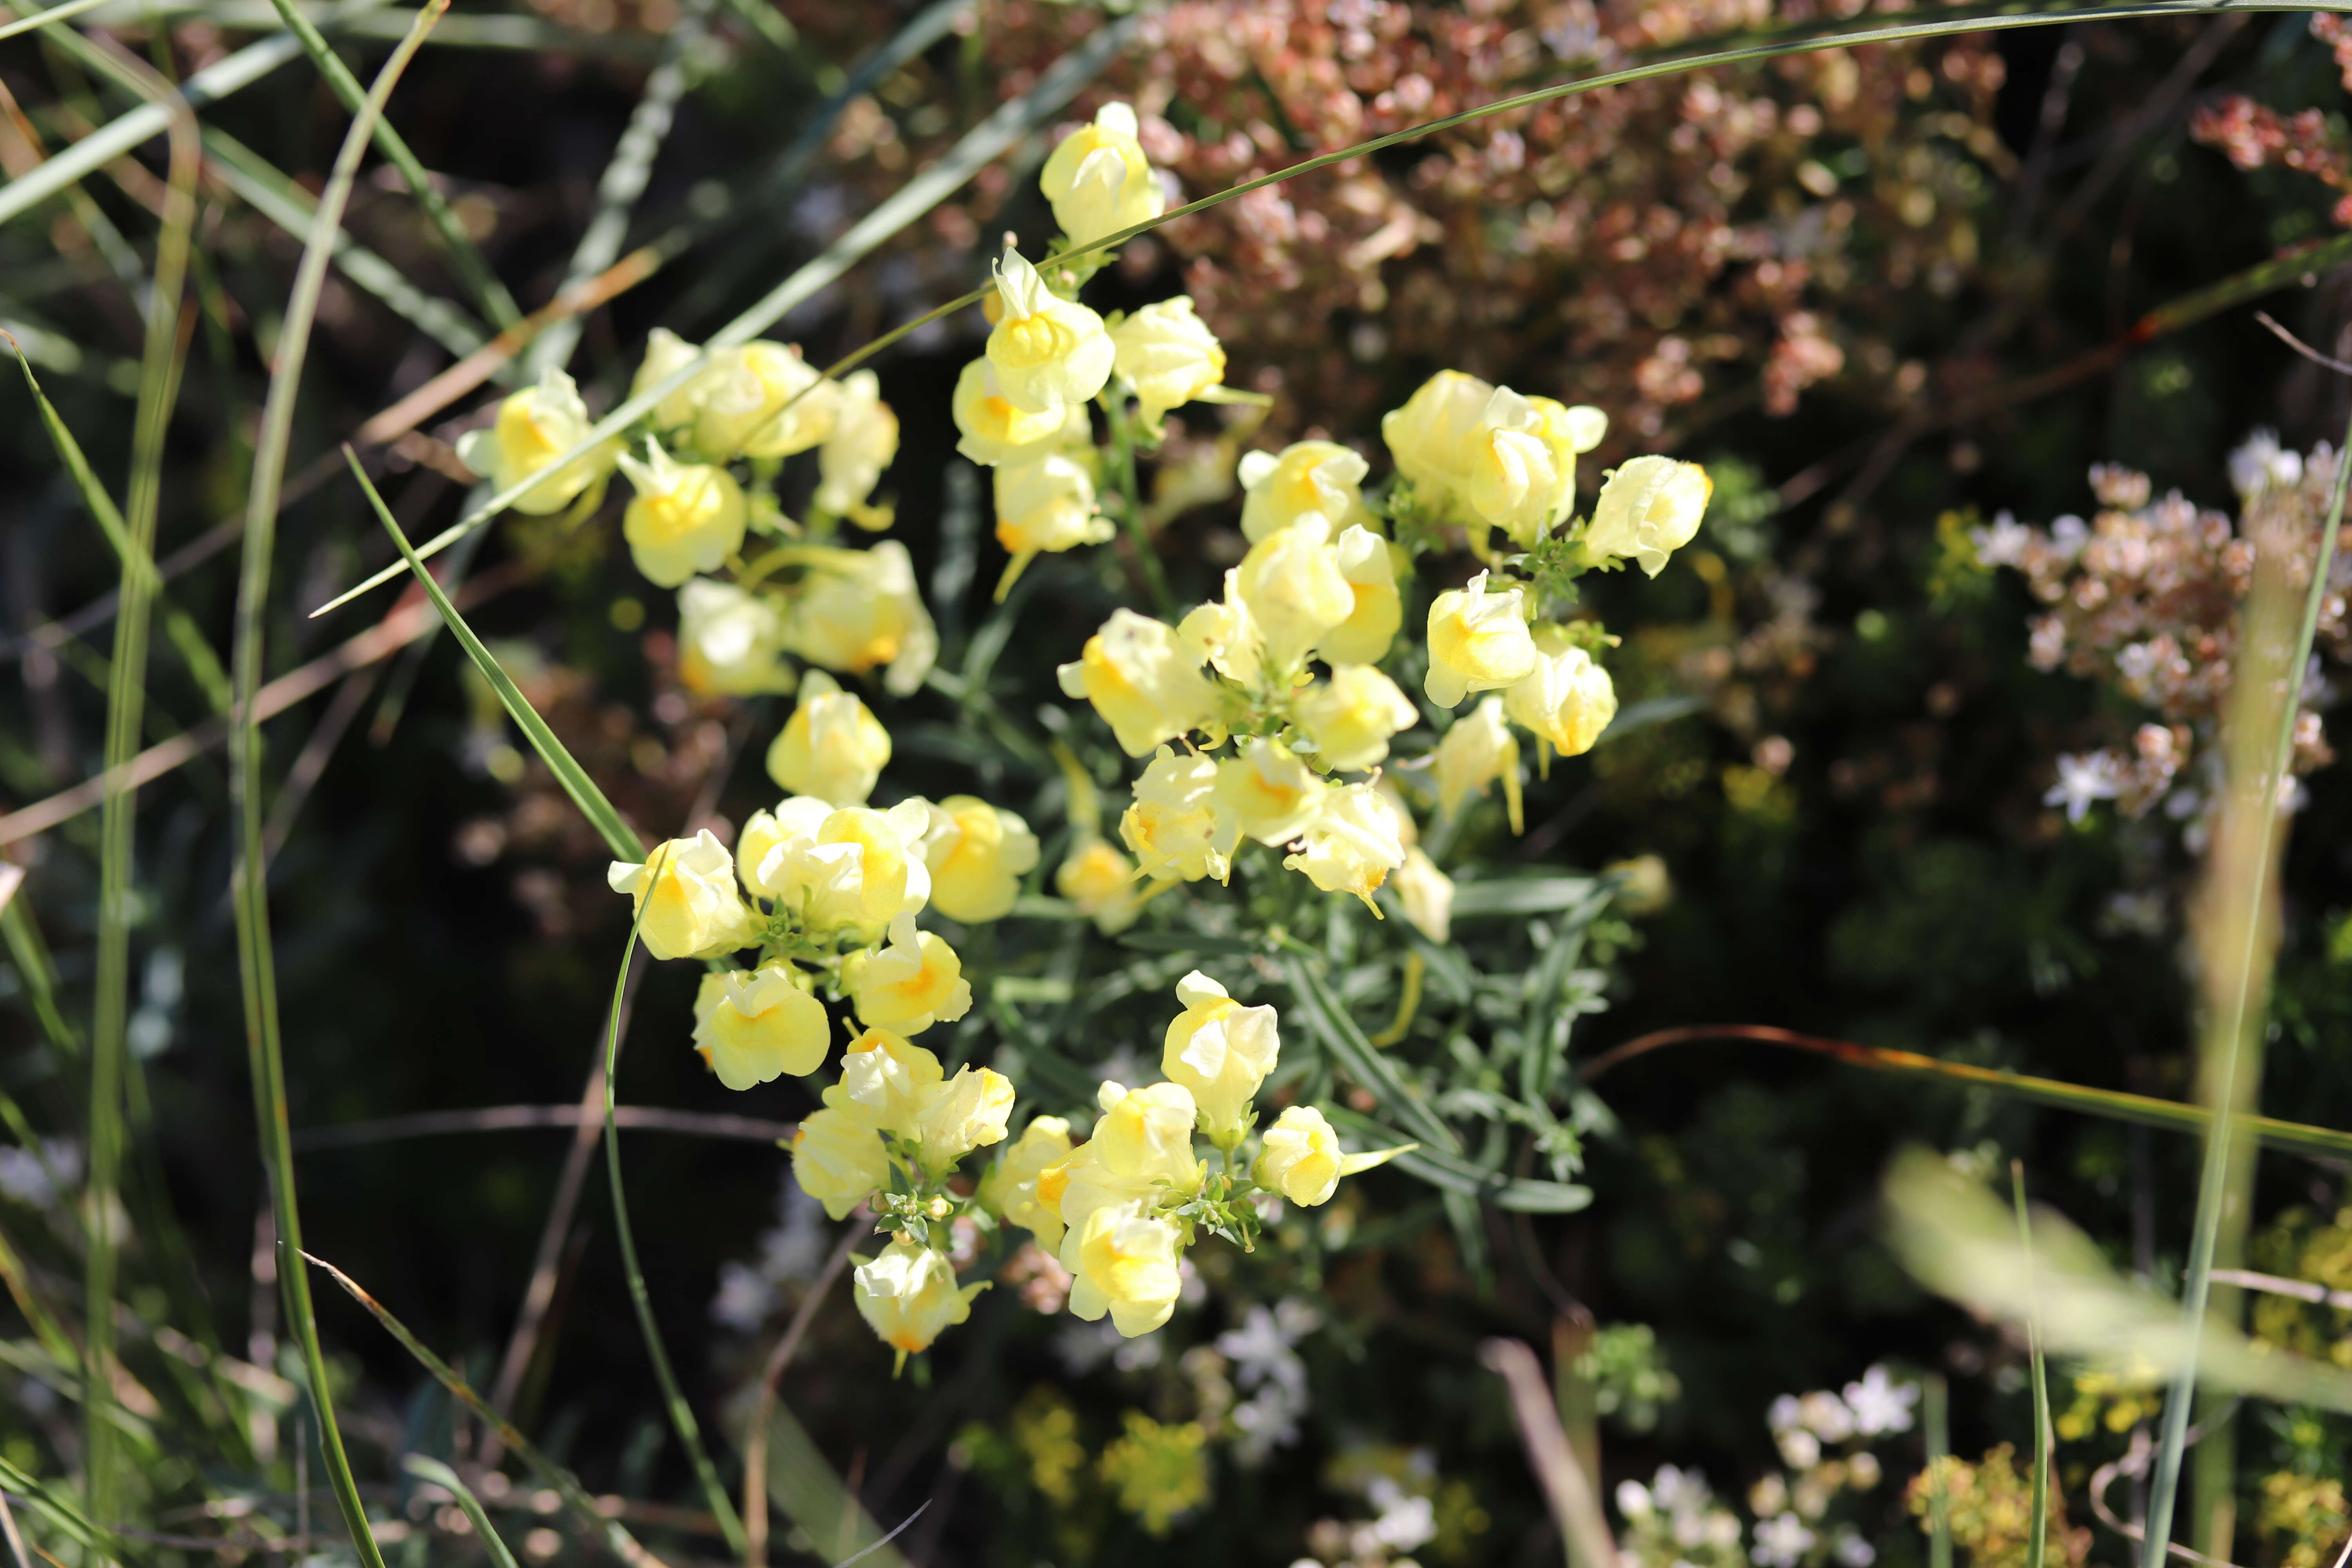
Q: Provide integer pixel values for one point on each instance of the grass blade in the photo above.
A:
(66, 12)
(2036, 1543)
(1935, 1415)
(250, 888)
(441, 1475)
(1329, 1019)
(1450, 1174)
(599, 811)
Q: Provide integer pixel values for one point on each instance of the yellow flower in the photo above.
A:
(1161, 1471)
(1351, 716)
(1009, 1188)
(977, 853)
(1100, 882)
(1507, 461)
(1123, 1260)
(666, 355)
(765, 848)
(837, 1156)
(1567, 698)
(685, 517)
(885, 1080)
(1221, 1051)
(751, 1025)
(1098, 179)
(1046, 350)
(748, 406)
(909, 1296)
(1354, 844)
(1146, 1135)
(691, 908)
(1274, 797)
(862, 442)
(855, 872)
(1370, 568)
(830, 747)
(1307, 479)
(1175, 826)
(1168, 355)
(1046, 503)
(1570, 432)
(1223, 633)
(1292, 584)
(1142, 680)
(859, 610)
(1427, 894)
(965, 1113)
(533, 428)
(1476, 751)
(1434, 437)
(729, 641)
(1516, 482)
(994, 431)
(1300, 1157)
(1479, 641)
(1647, 510)
(914, 983)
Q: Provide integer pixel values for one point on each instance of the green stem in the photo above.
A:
(2037, 1542)
(1937, 1417)
(1146, 553)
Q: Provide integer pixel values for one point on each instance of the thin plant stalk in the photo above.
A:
(1935, 1415)
(250, 887)
(1139, 533)
(755, 1442)
(2036, 1543)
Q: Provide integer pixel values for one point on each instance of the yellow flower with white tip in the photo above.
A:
(1647, 510)
(1272, 796)
(858, 871)
(752, 1026)
(1434, 437)
(1225, 634)
(1098, 179)
(1570, 431)
(977, 853)
(667, 354)
(837, 1156)
(1010, 1187)
(1516, 482)
(1476, 752)
(765, 847)
(885, 1080)
(993, 431)
(861, 609)
(1047, 351)
(1427, 894)
(1168, 355)
(1046, 503)
(1220, 1051)
(1100, 882)
(532, 429)
(730, 642)
(685, 517)
(1295, 592)
(1176, 827)
(1351, 716)
(1147, 685)
(1305, 479)
(962, 1114)
(1123, 1261)
(1567, 698)
(687, 907)
(1355, 842)
(909, 1296)
(917, 980)
(762, 400)
(831, 747)
(1479, 641)
(1146, 1134)
(1301, 1159)
(862, 442)
(1366, 561)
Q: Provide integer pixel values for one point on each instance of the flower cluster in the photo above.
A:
(1990, 1506)
(2251, 135)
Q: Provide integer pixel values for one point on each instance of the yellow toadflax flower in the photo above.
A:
(1305, 479)
(837, 1156)
(1142, 680)
(1479, 641)
(730, 642)
(762, 400)
(830, 747)
(1295, 592)
(762, 858)
(753, 1025)
(862, 442)
(1010, 1187)
(885, 1080)
(1168, 355)
(1355, 843)
(1175, 826)
(1351, 716)
(909, 1296)
(1146, 1135)
(1567, 698)
(1478, 750)
(1046, 503)
(965, 1113)
(853, 872)
(1370, 567)
(1434, 437)
(666, 355)
(917, 980)
(685, 517)
(691, 908)
(1098, 179)
(1221, 1051)
(1100, 882)
(1123, 1260)
(859, 610)
(1300, 1157)
(1427, 894)
(993, 431)
(533, 428)
(977, 853)
(1647, 510)
(1225, 634)
(1046, 350)
(1274, 797)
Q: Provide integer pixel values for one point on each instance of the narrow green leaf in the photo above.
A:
(2037, 1542)
(442, 1476)
(1526, 896)
(1935, 1415)
(66, 12)
(1192, 942)
(57, 1507)
(1450, 1174)
(1329, 1021)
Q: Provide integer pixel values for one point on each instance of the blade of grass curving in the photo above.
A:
(577, 1498)
(755, 1437)
(441, 1475)
(599, 811)
(64, 13)
(681, 1414)
(2036, 1543)
(1935, 1415)
(54, 1506)
(1452, 1173)
(251, 883)
(38, 973)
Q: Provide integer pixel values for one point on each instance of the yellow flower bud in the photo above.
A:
(690, 908)
(751, 1025)
(1291, 582)
(685, 517)
(1123, 1260)
(1175, 826)
(1300, 1157)
(666, 355)
(1647, 510)
(830, 747)
(1011, 1188)
(1351, 716)
(885, 1082)
(1098, 179)
(1307, 479)
(1354, 844)
(862, 442)
(909, 1296)
(1046, 503)
(1427, 894)
(1046, 350)
(762, 400)
(994, 431)
(914, 983)
(1223, 633)
(1476, 751)
(837, 1156)
(1221, 1051)
(1168, 355)
(1272, 796)
(1100, 882)
(977, 853)
(533, 428)
(729, 642)
(1567, 698)
(967, 1111)
(1370, 568)
(1479, 641)
(1142, 680)
(859, 610)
